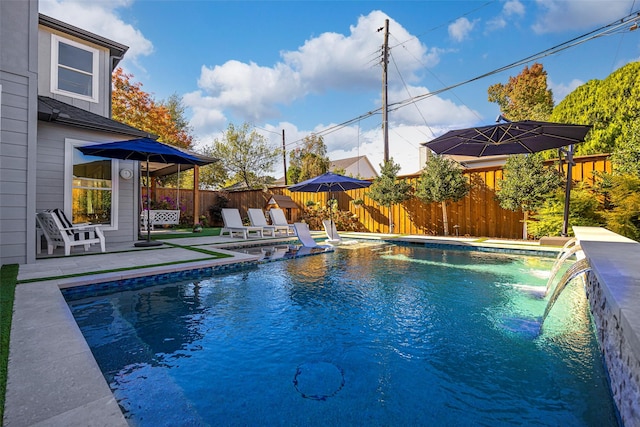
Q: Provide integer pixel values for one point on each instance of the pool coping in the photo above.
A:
(53, 378)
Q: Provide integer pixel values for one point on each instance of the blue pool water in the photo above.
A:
(379, 335)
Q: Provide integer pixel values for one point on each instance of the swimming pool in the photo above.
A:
(379, 335)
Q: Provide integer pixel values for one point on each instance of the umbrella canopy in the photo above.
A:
(329, 182)
(147, 150)
(521, 137)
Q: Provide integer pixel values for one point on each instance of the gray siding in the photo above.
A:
(103, 106)
(18, 117)
(51, 185)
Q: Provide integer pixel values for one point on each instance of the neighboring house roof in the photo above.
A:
(350, 165)
(116, 50)
(352, 162)
(52, 110)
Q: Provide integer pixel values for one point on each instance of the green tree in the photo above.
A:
(525, 96)
(526, 185)
(308, 161)
(245, 156)
(610, 105)
(442, 180)
(387, 190)
(626, 156)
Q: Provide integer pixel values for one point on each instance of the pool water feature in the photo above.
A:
(396, 336)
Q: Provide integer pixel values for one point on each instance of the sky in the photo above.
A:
(316, 66)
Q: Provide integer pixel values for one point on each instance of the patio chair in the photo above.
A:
(304, 235)
(256, 216)
(333, 238)
(233, 224)
(68, 235)
(278, 218)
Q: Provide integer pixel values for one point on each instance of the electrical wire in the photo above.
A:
(617, 26)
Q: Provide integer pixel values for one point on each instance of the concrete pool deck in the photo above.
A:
(53, 379)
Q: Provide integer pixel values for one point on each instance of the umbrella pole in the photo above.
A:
(148, 242)
(567, 191)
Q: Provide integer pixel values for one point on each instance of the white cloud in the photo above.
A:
(565, 15)
(460, 29)
(513, 7)
(328, 62)
(99, 17)
(511, 10)
(561, 90)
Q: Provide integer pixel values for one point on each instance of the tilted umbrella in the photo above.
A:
(522, 137)
(329, 182)
(147, 150)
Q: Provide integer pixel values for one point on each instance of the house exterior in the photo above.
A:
(55, 95)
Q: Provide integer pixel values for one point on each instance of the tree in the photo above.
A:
(525, 96)
(135, 107)
(609, 105)
(626, 156)
(526, 185)
(387, 190)
(245, 156)
(441, 180)
(308, 161)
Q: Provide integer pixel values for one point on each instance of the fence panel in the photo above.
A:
(478, 214)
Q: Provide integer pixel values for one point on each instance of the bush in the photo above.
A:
(624, 196)
(585, 210)
(215, 210)
(344, 220)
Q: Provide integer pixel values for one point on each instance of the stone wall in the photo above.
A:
(622, 363)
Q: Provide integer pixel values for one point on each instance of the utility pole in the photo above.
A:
(284, 158)
(385, 118)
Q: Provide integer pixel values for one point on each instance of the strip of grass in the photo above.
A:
(182, 233)
(8, 280)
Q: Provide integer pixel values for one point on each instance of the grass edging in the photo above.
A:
(8, 281)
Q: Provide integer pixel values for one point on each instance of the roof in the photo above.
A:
(282, 201)
(345, 164)
(116, 50)
(52, 110)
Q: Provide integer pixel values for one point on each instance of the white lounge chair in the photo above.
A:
(233, 224)
(333, 238)
(256, 216)
(68, 235)
(304, 235)
(278, 218)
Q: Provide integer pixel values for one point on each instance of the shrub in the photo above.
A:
(585, 210)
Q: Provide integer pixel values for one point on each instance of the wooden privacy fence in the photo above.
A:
(477, 215)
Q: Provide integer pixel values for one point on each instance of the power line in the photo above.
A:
(617, 26)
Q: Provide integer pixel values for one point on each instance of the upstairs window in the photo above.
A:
(74, 69)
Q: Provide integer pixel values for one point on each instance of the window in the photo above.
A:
(92, 193)
(74, 69)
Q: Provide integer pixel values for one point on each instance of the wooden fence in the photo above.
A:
(478, 214)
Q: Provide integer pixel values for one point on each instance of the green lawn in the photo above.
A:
(8, 279)
(180, 233)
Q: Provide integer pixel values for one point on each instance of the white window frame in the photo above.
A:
(55, 43)
(69, 146)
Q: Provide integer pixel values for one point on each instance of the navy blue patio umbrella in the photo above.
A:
(521, 137)
(147, 150)
(329, 182)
